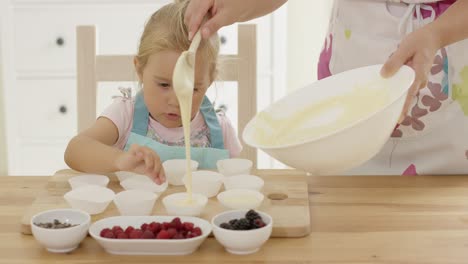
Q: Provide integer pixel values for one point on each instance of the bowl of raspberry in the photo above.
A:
(150, 235)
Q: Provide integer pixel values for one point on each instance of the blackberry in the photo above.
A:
(225, 226)
(232, 222)
(251, 215)
(242, 224)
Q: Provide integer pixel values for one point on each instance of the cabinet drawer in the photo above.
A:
(38, 159)
(228, 38)
(46, 109)
(45, 37)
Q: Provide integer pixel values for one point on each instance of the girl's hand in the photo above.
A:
(416, 50)
(142, 160)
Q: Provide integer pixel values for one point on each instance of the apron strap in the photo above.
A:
(140, 116)
(211, 120)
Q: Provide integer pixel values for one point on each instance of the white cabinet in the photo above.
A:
(38, 57)
(47, 109)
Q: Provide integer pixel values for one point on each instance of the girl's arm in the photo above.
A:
(92, 151)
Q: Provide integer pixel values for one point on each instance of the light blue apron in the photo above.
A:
(206, 157)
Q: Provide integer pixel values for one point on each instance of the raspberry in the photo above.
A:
(136, 234)
(179, 236)
(176, 223)
(116, 234)
(129, 229)
(188, 226)
(197, 231)
(144, 226)
(166, 225)
(258, 223)
(154, 227)
(172, 232)
(109, 234)
(225, 226)
(115, 229)
(122, 235)
(105, 230)
(251, 215)
(163, 234)
(147, 234)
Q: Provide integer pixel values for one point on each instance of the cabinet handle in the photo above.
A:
(223, 40)
(60, 41)
(63, 109)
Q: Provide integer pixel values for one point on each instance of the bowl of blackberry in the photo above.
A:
(242, 231)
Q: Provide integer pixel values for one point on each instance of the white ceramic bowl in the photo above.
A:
(176, 204)
(148, 246)
(91, 199)
(229, 167)
(241, 241)
(240, 199)
(204, 182)
(250, 182)
(175, 170)
(65, 239)
(349, 146)
(143, 182)
(135, 202)
(88, 179)
(123, 175)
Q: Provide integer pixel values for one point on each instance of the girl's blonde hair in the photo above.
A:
(166, 30)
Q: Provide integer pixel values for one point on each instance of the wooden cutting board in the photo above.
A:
(286, 200)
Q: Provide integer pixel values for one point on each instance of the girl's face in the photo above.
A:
(159, 95)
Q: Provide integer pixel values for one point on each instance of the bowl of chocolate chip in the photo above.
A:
(60, 230)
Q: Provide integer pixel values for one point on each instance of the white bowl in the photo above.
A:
(177, 204)
(91, 199)
(250, 182)
(204, 182)
(240, 199)
(143, 182)
(241, 241)
(123, 175)
(349, 146)
(175, 170)
(88, 179)
(135, 202)
(229, 167)
(148, 246)
(65, 239)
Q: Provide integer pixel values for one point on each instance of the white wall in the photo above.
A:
(3, 151)
(307, 27)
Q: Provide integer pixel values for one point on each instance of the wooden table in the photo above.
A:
(420, 219)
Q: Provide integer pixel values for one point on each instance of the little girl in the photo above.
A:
(137, 134)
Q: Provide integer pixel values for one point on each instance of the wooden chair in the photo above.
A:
(93, 68)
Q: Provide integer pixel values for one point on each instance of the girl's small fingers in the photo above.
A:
(149, 162)
(162, 175)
